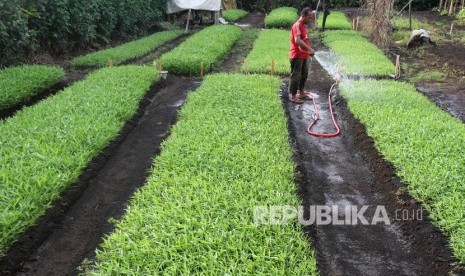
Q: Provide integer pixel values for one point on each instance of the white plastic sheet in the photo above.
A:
(181, 5)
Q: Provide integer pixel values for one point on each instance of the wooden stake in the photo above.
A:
(201, 68)
(410, 15)
(272, 67)
(451, 28)
(358, 21)
(440, 6)
(451, 7)
(188, 19)
(266, 16)
(246, 69)
(397, 74)
(353, 24)
(110, 63)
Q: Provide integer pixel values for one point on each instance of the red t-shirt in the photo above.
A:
(298, 29)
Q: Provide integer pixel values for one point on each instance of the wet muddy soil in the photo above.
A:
(253, 20)
(73, 228)
(348, 171)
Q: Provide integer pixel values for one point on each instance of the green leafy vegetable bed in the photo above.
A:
(44, 148)
(425, 144)
(270, 45)
(127, 51)
(283, 17)
(18, 84)
(335, 20)
(357, 55)
(234, 15)
(228, 152)
(207, 46)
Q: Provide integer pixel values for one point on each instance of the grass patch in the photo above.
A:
(44, 148)
(207, 46)
(403, 23)
(260, 58)
(18, 84)
(127, 51)
(429, 76)
(283, 17)
(234, 14)
(335, 20)
(357, 55)
(425, 145)
(228, 152)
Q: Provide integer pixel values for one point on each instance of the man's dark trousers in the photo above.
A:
(299, 75)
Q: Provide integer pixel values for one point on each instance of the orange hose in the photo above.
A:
(324, 135)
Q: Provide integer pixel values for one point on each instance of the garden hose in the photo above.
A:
(316, 118)
(324, 135)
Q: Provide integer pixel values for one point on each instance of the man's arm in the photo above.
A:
(304, 46)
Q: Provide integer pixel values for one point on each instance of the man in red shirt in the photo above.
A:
(300, 50)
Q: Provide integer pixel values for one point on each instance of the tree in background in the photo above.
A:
(379, 12)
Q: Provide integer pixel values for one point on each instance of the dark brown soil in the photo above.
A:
(254, 20)
(347, 170)
(73, 228)
(446, 57)
(238, 53)
(449, 98)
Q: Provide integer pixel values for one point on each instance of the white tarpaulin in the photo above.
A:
(181, 5)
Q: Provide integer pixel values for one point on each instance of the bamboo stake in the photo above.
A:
(188, 19)
(451, 29)
(272, 67)
(358, 21)
(410, 15)
(246, 70)
(110, 63)
(264, 21)
(397, 74)
(451, 7)
(201, 68)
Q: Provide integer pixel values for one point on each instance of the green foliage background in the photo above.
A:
(62, 25)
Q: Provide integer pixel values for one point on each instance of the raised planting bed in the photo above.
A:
(283, 17)
(335, 20)
(424, 143)
(18, 84)
(270, 45)
(44, 148)
(228, 153)
(127, 51)
(357, 55)
(205, 47)
(234, 14)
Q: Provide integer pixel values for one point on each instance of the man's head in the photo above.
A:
(306, 15)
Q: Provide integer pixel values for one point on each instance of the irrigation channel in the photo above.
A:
(348, 171)
(341, 171)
